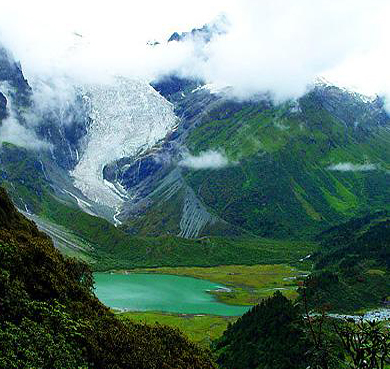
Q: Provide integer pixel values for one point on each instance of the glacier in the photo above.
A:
(127, 117)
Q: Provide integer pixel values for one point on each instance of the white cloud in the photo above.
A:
(45, 35)
(54, 97)
(282, 46)
(350, 167)
(271, 45)
(209, 159)
(12, 131)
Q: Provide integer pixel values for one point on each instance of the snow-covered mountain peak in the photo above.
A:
(352, 90)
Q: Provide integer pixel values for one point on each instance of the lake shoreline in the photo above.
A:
(247, 284)
(144, 292)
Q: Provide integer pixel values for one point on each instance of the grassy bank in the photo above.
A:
(199, 328)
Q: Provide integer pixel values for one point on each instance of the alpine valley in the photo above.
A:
(176, 176)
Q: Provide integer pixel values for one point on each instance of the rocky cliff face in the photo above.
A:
(3, 106)
(11, 76)
(353, 109)
(205, 33)
(64, 129)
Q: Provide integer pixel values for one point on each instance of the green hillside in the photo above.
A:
(280, 182)
(351, 268)
(113, 248)
(50, 317)
(277, 334)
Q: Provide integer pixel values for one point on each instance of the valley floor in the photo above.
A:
(247, 284)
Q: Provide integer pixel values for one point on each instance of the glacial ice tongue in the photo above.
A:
(127, 118)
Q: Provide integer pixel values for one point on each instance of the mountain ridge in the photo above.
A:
(322, 159)
(341, 128)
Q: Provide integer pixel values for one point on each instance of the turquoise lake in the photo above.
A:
(157, 292)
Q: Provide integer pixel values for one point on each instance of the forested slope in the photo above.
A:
(50, 317)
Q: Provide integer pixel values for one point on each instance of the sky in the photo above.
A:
(275, 46)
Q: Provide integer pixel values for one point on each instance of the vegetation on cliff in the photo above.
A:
(351, 266)
(50, 317)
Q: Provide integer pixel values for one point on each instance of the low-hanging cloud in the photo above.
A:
(11, 131)
(14, 132)
(209, 159)
(274, 46)
(350, 167)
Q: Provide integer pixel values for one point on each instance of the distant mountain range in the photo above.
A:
(291, 169)
(183, 158)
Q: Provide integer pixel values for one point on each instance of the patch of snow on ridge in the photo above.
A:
(212, 88)
(128, 117)
(364, 96)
